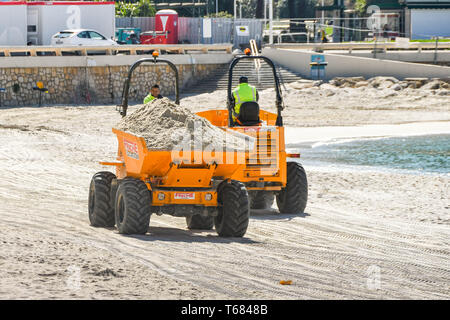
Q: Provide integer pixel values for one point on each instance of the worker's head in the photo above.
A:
(243, 79)
(155, 90)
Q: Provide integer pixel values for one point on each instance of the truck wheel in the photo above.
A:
(101, 212)
(261, 199)
(293, 198)
(132, 208)
(200, 222)
(234, 212)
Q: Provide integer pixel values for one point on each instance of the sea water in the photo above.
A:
(415, 154)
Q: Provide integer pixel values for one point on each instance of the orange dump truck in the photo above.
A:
(209, 189)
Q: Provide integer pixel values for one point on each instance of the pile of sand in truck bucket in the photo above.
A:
(165, 125)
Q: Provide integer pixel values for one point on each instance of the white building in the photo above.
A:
(13, 23)
(23, 23)
(425, 19)
(47, 18)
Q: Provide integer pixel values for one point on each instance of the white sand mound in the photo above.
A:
(166, 126)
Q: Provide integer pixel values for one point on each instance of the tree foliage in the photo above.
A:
(295, 8)
(220, 14)
(142, 8)
(248, 8)
(360, 7)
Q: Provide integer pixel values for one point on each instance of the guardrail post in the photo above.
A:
(375, 48)
(436, 50)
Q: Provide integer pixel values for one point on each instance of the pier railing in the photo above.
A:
(364, 46)
(111, 50)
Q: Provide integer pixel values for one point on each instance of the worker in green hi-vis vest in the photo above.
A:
(154, 94)
(243, 93)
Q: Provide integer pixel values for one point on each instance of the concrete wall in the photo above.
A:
(97, 79)
(348, 66)
(428, 56)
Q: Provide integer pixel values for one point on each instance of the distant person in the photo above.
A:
(243, 93)
(323, 36)
(154, 94)
(133, 38)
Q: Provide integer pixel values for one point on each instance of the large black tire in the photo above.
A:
(133, 205)
(261, 199)
(234, 212)
(101, 212)
(200, 222)
(293, 198)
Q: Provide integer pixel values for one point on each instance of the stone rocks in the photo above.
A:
(382, 82)
(396, 87)
(327, 86)
(360, 84)
(432, 85)
(388, 93)
(302, 84)
(390, 84)
(346, 81)
(416, 83)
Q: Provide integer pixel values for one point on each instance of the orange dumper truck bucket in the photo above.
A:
(164, 170)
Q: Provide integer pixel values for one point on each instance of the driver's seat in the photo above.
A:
(249, 114)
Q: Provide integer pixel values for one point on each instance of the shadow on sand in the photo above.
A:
(273, 214)
(190, 236)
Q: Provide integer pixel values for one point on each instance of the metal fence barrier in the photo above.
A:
(194, 30)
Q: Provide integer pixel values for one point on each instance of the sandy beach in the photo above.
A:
(365, 234)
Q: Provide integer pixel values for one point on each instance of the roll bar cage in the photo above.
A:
(230, 99)
(126, 87)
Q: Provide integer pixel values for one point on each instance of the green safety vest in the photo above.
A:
(243, 93)
(148, 98)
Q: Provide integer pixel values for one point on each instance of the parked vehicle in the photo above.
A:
(154, 37)
(128, 35)
(81, 37)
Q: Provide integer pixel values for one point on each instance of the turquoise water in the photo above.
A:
(419, 154)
